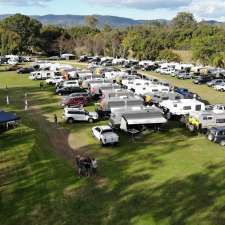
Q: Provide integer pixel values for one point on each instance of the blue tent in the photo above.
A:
(6, 117)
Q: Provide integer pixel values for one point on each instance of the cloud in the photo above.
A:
(25, 2)
(143, 4)
(208, 8)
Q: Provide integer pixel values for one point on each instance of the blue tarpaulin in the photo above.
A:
(7, 117)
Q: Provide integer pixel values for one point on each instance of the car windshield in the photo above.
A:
(107, 131)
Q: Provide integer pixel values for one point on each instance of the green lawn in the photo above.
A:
(167, 178)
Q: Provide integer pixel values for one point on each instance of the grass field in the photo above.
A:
(167, 178)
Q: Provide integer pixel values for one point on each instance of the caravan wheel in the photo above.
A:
(168, 115)
(211, 137)
(222, 143)
(191, 128)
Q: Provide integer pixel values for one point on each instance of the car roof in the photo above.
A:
(104, 127)
(218, 128)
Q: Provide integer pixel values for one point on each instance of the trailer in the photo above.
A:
(137, 120)
(116, 114)
(204, 120)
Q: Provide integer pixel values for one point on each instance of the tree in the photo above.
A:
(169, 56)
(49, 36)
(219, 60)
(184, 20)
(91, 21)
(27, 28)
(9, 42)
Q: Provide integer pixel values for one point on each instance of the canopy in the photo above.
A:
(7, 117)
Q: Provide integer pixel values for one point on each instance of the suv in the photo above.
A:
(79, 114)
(217, 135)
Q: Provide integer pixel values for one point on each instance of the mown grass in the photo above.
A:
(167, 178)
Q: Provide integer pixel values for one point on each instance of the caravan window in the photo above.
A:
(155, 90)
(175, 105)
(207, 118)
(220, 121)
(187, 108)
(198, 108)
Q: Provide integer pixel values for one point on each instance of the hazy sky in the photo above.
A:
(137, 9)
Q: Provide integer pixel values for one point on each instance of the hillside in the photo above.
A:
(73, 20)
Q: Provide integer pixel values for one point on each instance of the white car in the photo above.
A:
(54, 80)
(79, 114)
(71, 83)
(105, 135)
(220, 87)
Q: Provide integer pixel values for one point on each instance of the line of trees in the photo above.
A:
(22, 34)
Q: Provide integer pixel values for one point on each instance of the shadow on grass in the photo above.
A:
(41, 188)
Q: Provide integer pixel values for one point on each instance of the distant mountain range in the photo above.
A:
(114, 21)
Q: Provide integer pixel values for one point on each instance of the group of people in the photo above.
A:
(86, 166)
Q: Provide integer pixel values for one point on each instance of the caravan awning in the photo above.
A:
(145, 121)
(6, 117)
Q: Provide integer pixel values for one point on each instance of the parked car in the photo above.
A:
(78, 94)
(68, 90)
(217, 135)
(215, 82)
(74, 101)
(71, 83)
(185, 92)
(54, 80)
(220, 87)
(184, 76)
(105, 135)
(79, 114)
(202, 80)
(25, 70)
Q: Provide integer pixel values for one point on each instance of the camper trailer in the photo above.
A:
(181, 107)
(116, 114)
(137, 120)
(205, 120)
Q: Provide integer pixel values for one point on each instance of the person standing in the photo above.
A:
(78, 165)
(55, 119)
(94, 166)
(88, 166)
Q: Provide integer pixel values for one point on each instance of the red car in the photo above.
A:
(75, 101)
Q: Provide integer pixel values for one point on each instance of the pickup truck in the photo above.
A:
(105, 135)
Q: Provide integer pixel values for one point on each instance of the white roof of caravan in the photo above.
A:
(135, 118)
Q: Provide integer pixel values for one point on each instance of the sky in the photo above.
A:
(136, 9)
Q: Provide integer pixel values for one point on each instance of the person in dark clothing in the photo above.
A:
(94, 166)
(78, 165)
(87, 164)
(55, 119)
(41, 85)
